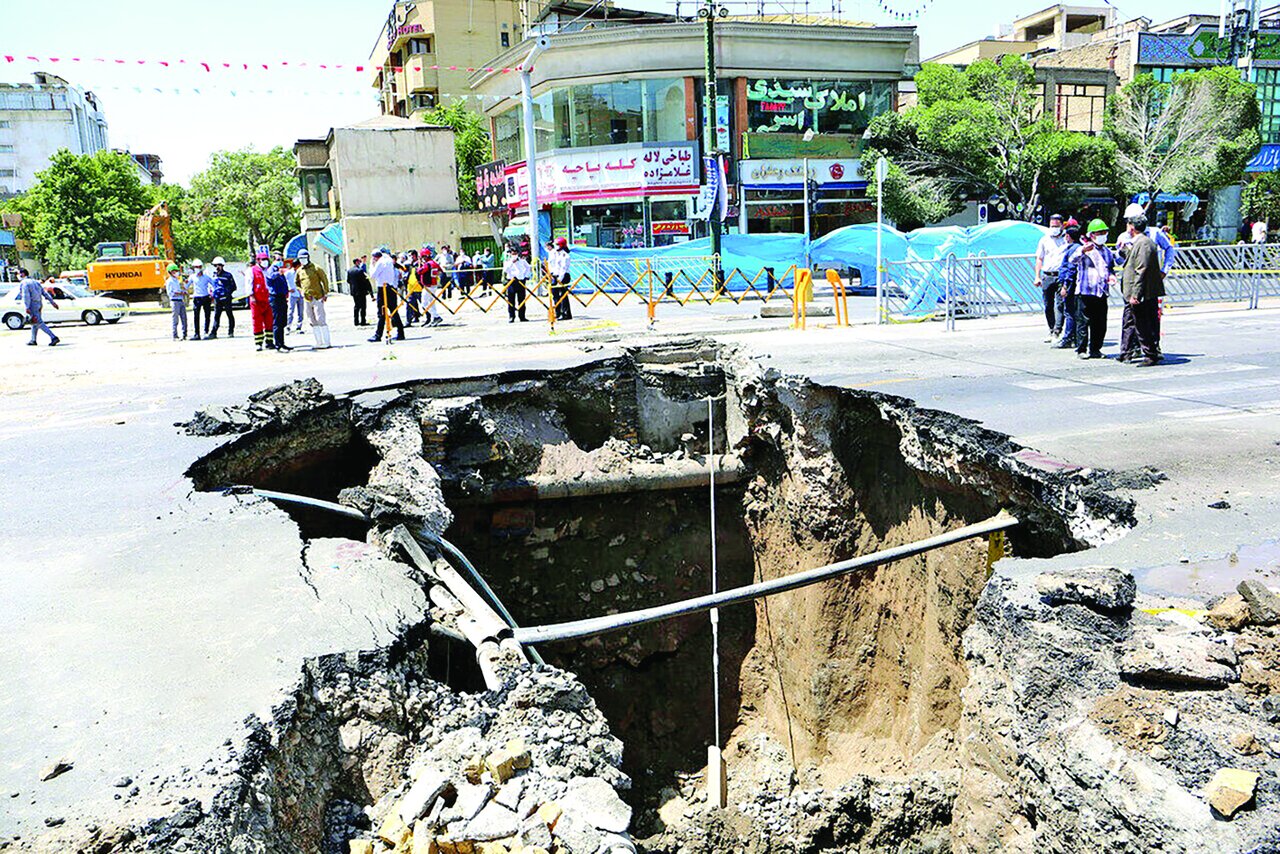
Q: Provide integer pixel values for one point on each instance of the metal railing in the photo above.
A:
(991, 285)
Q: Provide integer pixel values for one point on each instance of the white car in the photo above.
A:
(75, 303)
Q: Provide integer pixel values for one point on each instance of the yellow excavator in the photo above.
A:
(136, 271)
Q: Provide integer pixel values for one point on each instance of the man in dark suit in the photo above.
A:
(358, 284)
(1142, 285)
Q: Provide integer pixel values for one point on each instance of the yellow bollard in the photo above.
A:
(802, 294)
(839, 297)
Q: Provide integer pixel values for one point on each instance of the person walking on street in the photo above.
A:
(358, 285)
(260, 302)
(446, 270)
(314, 284)
(33, 299)
(294, 317)
(224, 288)
(177, 291)
(201, 286)
(558, 265)
(413, 287)
(516, 272)
(385, 278)
(1142, 285)
(1094, 273)
(1049, 253)
(278, 292)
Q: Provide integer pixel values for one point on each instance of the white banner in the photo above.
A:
(823, 170)
(605, 172)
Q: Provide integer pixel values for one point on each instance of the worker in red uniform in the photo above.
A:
(260, 302)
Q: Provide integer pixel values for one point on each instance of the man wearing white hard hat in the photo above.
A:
(201, 287)
(314, 284)
(224, 288)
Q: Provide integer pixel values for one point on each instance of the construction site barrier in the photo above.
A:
(992, 285)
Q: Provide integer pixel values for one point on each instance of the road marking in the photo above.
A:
(1227, 368)
(1218, 413)
(1118, 398)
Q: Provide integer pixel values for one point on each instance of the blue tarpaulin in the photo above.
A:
(330, 238)
(852, 247)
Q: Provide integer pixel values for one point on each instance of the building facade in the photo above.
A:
(37, 119)
(387, 180)
(426, 51)
(618, 114)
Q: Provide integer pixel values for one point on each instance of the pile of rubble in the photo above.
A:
(276, 405)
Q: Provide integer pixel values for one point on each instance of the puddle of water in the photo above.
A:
(1205, 578)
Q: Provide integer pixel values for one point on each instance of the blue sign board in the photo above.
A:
(1266, 160)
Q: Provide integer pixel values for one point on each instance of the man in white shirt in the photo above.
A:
(201, 287)
(386, 278)
(558, 266)
(1049, 252)
(516, 271)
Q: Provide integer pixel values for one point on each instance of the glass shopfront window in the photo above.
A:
(843, 107)
(615, 113)
(614, 225)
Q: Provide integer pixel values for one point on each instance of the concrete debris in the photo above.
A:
(1101, 588)
(1230, 790)
(57, 769)
(597, 803)
(493, 822)
(1229, 615)
(1191, 661)
(1246, 743)
(278, 405)
(422, 795)
(1264, 604)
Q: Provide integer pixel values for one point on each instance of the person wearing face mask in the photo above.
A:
(1049, 252)
(1095, 272)
(260, 302)
(1072, 316)
(224, 287)
(314, 284)
(278, 290)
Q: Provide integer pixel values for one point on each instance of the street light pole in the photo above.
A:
(709, 137)
(531, 154)
(882, 170)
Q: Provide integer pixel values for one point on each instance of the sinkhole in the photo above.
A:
(583, 492)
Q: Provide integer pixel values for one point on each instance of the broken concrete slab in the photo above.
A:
(1102, 588)
(493, 822)
(597, 803)
(1180, 660)
(1264, 604)
(1230, 790)
(422, 794)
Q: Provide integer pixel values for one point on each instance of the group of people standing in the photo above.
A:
(1075, 270)
(280, 292)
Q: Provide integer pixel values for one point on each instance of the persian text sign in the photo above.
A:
(774, 173)
(607, 171)
(491, 185)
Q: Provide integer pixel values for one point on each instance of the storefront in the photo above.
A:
(612, 196)
(773, 192)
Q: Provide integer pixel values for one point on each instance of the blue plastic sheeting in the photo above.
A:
(853, 247)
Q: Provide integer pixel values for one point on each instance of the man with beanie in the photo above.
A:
(314, 284)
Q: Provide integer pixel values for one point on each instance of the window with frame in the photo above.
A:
(315, 188)
(1268, 82)
(8, 173)
(1080, 107)
(505, 38)
(418, 47)
(6, 149)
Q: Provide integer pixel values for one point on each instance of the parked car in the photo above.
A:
(75, 303)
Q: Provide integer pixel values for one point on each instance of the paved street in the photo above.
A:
(143, 623)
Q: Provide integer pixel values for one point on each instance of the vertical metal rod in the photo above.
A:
(715, 581)
(709, 141)
(807, 227)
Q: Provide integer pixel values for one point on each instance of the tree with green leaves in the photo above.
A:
(980, 132)
(78, 201)
(1260, 199)
(254, 193)
(470, 145)
(1191, 135)
(196, 235)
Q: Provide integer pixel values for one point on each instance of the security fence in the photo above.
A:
(988, 286)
